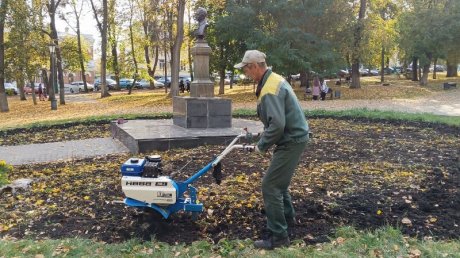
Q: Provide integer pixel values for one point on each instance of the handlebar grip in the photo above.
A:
(249, 148)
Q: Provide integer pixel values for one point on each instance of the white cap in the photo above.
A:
(251, 57)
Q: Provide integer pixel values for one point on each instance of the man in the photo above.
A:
(285, 127)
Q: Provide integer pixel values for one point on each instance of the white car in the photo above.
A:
(11, 87)
(81, 86)
(146, 84)
(72, 88)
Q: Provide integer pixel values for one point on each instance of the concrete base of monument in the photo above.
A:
(142, 136)
(202, 112)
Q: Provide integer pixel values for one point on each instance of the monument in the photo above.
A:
(197, 120)
(202, 109)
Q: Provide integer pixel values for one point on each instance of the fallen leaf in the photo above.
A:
(415, 253)
(406, 221)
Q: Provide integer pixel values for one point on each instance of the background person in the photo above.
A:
(316, 91)
(40, 92)
(324, 89)
(285, 127)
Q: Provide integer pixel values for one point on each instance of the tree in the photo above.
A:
(356, 50)
(76, 11)
(52, 7)
(382, 20)
(18, 44)
(3, 99)
(170, 36)
(75, 54)
(452, 22)
(295, 43)
(102, 27)
(225, 37)
(133, 52)
(423, 34)
(175, 53)
(149, 12)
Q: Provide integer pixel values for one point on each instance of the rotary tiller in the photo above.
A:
(144, 185)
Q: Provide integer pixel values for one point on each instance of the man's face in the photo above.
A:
(250, 71)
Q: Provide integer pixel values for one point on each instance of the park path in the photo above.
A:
(443, 103)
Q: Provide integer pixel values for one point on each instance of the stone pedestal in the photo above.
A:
(202, 109)
(201, 86)
(202, 112)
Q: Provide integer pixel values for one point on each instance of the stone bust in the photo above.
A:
(200, 16)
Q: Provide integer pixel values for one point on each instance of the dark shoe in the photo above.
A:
(272, 243)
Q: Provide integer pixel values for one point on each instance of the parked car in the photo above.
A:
(10, 89)
(125, 83)
(343, 73)
(28, 88)
(364, 72)
(81, 86)
(145, 84)
(440, 68)
(373, 72)
(166, 81)
(72, 88)
(111, 84)
(389, 70)
(185, 78)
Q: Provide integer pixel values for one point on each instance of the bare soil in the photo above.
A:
(354, 173)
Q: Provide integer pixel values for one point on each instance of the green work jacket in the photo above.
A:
(279, 110)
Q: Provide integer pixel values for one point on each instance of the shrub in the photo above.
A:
(9, 92)
(4, 169)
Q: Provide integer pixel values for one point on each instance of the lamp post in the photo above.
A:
(52, 75)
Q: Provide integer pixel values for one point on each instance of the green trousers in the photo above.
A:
(275, 183)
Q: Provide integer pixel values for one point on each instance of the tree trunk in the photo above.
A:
(60, 73)
(414, 69)
(232, 76)
(222, 80)
(3, 99)
(382, 66)
(145, 25)
(303, 79)
(424, 78)
(80, 56)
(175, 62)
(165, 69)
(131, 36)
(435, 62)
(355, 76)
(356, 51)
(452, 70)
(32, 86)
(20, 85)
(58, 61)
(221, 71)
(189, 44)
(51, 91)
(105, 88)
(453, 58)
(46, 82)
(102, 27)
